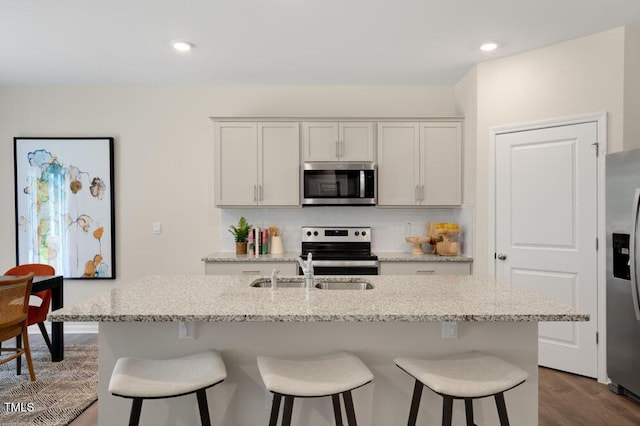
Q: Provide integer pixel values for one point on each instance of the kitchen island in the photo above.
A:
(400, 316)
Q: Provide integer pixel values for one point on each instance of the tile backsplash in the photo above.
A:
(388, 225)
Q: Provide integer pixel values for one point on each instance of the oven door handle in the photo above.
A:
(341, 263)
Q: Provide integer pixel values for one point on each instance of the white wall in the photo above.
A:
(164, 156)
(631, 88)
(466, 94)
(576, 77)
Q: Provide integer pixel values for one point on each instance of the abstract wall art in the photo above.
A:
(64, 205)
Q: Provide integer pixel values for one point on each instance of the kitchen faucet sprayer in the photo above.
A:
(307, 270)
(274, 278)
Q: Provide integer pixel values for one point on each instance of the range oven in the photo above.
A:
(341, 183)
(339, 250)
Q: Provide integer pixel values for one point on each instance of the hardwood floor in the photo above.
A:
(567, 400)
(564, 400)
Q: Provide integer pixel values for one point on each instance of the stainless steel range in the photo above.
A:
(339, 250)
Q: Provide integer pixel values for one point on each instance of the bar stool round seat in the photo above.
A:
(167, 378)
(465, 376)
(326, 375)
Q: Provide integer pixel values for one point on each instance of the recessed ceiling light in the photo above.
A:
(488, 47)
(182, 46)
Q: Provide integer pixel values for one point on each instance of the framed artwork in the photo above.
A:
(64, 205)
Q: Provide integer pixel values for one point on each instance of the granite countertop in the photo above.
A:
(291, 257)
(230, 298)
(410, 257)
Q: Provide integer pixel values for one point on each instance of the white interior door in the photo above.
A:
(546, 230)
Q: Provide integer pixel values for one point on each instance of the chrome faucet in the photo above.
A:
(274, 277)
(307, 270)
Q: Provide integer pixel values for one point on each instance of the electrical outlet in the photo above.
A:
(406, 229)
(449, 330)
(186, 330)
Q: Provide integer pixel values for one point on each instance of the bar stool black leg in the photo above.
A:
(415, 403)
(447, 411)
(337, 410)
(348, 407)
(468, 408)
(19, 359)
(204, 407)
(502, 409)
(275, 409)
(288, 410)
(136, 407)
(45, 335)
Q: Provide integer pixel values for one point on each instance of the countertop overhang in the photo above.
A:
(230, 298)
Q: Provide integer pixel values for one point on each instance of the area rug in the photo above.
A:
(62, 391)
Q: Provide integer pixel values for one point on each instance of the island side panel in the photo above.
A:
(241, 400)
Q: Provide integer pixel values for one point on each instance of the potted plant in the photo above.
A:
(240, 234)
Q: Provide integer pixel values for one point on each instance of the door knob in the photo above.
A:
(501, 256)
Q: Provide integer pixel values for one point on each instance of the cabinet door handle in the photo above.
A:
(255, 193)
(337, 149)
(341, 148)
(261, 194)
(421, 192)
(425, 271)
(250, 272)
(415, 193)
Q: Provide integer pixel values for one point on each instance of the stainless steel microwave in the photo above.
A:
(339, 183)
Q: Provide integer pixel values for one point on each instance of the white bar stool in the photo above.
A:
(141, 379)
(467, 376)
(326, 375)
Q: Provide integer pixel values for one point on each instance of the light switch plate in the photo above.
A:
(157, 228)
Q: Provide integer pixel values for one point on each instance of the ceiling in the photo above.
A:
(299, 42)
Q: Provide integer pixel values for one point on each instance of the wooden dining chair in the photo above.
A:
(37, 313)
(14, 309)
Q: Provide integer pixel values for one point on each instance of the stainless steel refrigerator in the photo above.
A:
(623, 271)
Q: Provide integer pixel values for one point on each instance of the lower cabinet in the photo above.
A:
(249, 268)
(425, 268)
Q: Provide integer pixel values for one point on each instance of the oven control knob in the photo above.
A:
(364, 233)
(315, 233)
(308, 233)
(358, 233)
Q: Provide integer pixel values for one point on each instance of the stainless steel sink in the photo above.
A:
(282, 283)
(321, 283)
(343, 285)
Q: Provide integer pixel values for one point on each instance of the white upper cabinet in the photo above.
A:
(279, 164)
(236, 163)
(320, 141)
(398, 164)
(441, 171)
(420, 163)
(356, 141)
(257, 164)
(337, 141)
